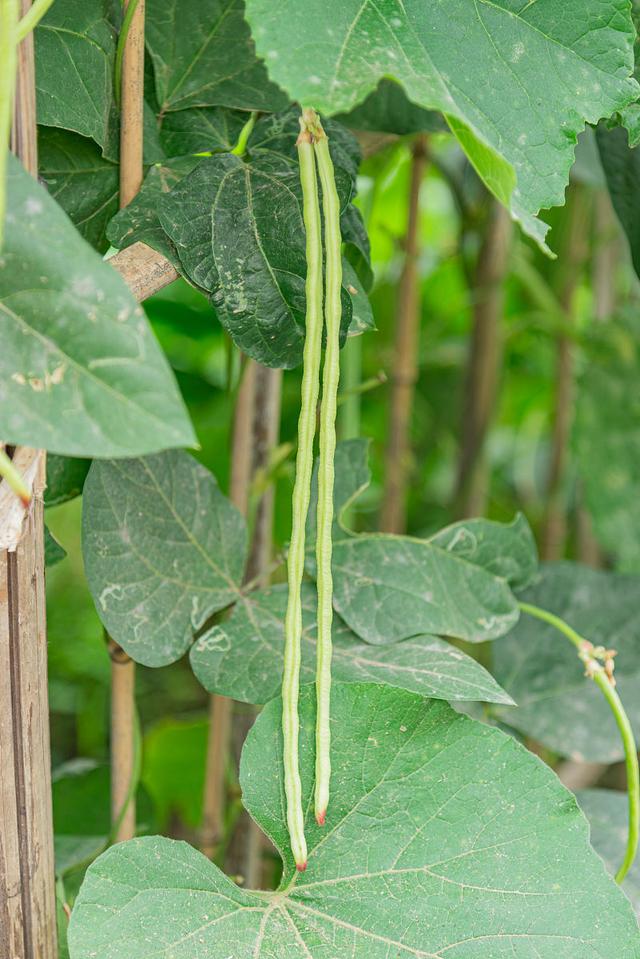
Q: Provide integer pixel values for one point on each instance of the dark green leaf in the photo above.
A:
(75, 50)
(389, 110)
(80, 371)
(204, 56)
(65, 478)
(53, 551)
(139, 220)
(243, 657)
(557, 705)
(163, 550)
(210, 129)
(80, 179)
(445, 838)
(621, 166)
(516, 80)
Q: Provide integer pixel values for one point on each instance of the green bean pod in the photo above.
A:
(330, 378)
(301, 495)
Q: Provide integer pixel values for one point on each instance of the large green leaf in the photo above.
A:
(80, 179)
(243, 657)
(163, 550)
(607, 812)
(557, 705)
(388, 588)
(203, 56)
(607, 441)
(75, 49)
(80, 370)
(445, 838)
(517, 79)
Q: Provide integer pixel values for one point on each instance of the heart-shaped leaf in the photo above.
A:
(517, 82)
(243, 657)
(446, 839)
(163, 550)
(557, 705)
(203, 56)
(80, 370)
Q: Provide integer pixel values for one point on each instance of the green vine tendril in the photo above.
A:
(598, 663)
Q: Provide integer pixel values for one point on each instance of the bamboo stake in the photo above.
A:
(484, 362)
(405, 368)
(244, 855)
(219, 706)
(571, 261)
(123, 668)
(27, 876)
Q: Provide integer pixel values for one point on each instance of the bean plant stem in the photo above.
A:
(330, 379)
(9, 13)
(600, 677)
(9, 473)
(32, 18)
(301, 495)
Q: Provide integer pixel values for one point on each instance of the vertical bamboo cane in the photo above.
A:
(27, 879)
(393, 513)
(219, 706)
(484, 363)
(123, 677)
(571, 261)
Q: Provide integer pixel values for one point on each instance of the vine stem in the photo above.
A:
(302, 494)
(120, 48)
(32, 18)
(14, 479)
(599, 675)
(330, 379)
(9, 14)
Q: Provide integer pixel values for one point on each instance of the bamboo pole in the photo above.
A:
(573, 254)
(393, 516)
(484, 362)
(123, 675)
(27, 875)
(220, 707)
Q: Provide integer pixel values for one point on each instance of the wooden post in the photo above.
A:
(123, 668)
(393, 517)
(27, 877)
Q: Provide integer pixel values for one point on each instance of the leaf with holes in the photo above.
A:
(80, 370)
(163, 550)
(446, 838)
(557, 705)
(243, 657)
(517, 85)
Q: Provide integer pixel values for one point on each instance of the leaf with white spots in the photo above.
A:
(507, 550)
(163, 550)
(445, 839)
(243, 656)
(81, 372)
(517, 80)
(557, 705)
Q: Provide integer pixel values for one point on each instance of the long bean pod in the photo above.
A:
(330, 378)
(301, 495)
